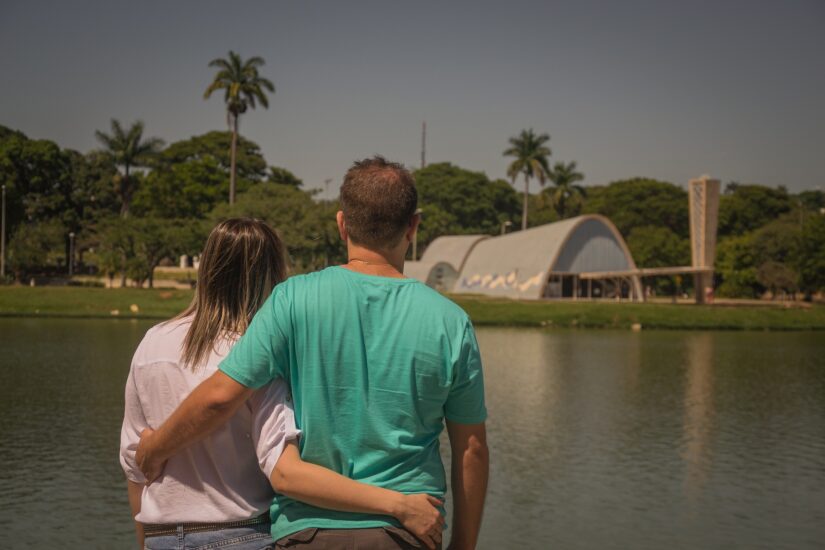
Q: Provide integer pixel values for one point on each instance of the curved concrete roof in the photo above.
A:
(452, 249)
(517, 265)
(438, 275)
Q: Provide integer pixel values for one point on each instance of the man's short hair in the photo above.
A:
(378, 199)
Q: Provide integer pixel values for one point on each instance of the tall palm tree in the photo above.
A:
(128, 149)
(243, 88)
(530, 154)
(564, 177)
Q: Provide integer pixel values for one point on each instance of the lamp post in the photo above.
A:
(3, 239)
(505, 225)
(71, 254)
(418, 212)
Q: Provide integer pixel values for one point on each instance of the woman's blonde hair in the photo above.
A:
(241, 263)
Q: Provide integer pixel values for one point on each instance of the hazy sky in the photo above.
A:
(665, 89)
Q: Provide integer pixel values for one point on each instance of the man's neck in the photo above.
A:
(372, 262)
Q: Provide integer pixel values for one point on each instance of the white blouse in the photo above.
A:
(224, 477)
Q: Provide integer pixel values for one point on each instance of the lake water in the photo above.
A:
(598, 439)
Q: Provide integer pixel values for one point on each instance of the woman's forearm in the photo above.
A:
(135, 491)
(324, 488)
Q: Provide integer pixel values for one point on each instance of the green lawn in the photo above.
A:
(488, 311)
(91, 302)
(161, 304)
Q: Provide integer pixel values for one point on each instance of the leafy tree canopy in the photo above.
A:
(811, 254)
(653, 246)
(813, 199)
(457, 201)
(641, 202)
(736, 267)
(215, 146)
(307, 228)
(743, 208)
(38, 179)
(35, 248)
(194, 176)
(282, 176)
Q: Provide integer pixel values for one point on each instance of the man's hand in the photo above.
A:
(420, 516)
(146, 460)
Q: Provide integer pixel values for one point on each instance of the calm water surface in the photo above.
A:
(598, 439)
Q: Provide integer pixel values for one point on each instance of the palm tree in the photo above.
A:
(530, 154)
(564, 177)
(243, 88)
(128, 149)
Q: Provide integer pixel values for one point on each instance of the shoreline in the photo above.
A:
(158, 304)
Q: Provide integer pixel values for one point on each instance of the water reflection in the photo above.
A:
(599, 439)
(699, 412)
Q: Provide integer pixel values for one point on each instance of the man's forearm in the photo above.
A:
(469, 484)
(192, 421)
(470, 469)
(208, 407)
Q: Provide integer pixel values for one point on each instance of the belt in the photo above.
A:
(165, 529)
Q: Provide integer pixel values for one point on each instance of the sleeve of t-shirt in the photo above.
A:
(262, 353)
(273, 423)
(465, 402)
(134, 422)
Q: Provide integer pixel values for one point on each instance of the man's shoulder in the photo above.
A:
(429, 299)
(304, 280)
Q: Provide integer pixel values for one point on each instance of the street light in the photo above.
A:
(415, 238)
(71, 254)
(3, 239)
(505, 225)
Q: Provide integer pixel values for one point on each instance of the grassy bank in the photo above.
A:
(487, 311)
(162, 304)
(92, 302)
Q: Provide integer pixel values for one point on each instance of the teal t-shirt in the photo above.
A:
(375, 365)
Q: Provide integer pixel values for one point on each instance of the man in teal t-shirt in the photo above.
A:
(376, 362)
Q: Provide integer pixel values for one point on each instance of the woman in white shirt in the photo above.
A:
(217, 492)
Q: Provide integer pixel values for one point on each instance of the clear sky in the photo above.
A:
(660, 88)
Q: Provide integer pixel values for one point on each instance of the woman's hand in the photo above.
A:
(420, 516)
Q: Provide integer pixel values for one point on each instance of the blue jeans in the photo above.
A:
(253, 537)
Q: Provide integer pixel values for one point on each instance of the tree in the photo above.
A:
(192, 176)
(216, 146)
(530, 153)
(777, 277)
(777, 241)
(458, 201)
(736, 268)
(282, 176)
(564, 177)
(743, 208)
(35, 248)
(134, 246)
(641, 202)
(653, 246)
(185, 190)
(38, 179)
(243, 88)
(128, 149)
(307, 228)
(812, 199)
(811, 255)
(156, 239)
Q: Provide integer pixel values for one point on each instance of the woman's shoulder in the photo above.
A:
(163, 342)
